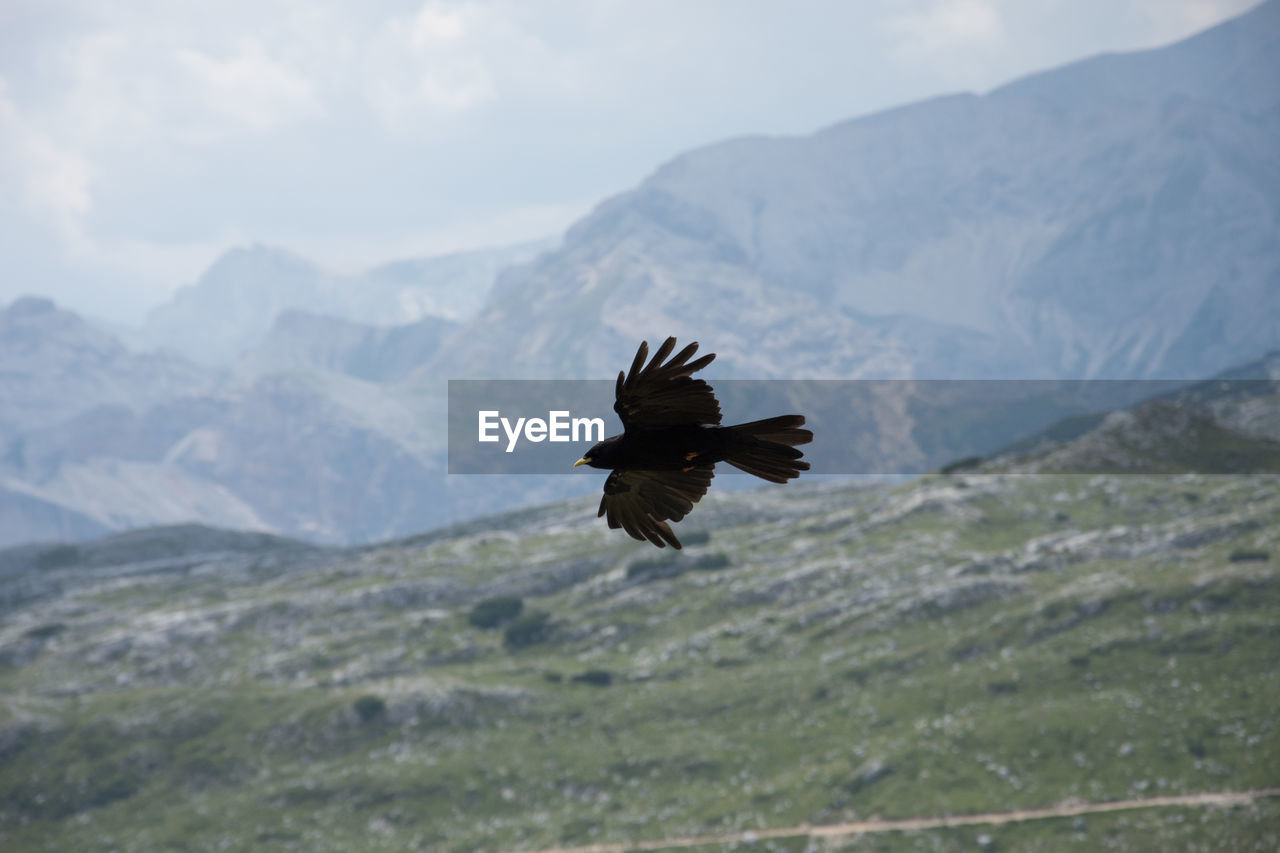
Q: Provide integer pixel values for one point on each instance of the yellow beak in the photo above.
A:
(583, 461)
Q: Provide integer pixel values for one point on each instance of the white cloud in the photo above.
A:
(247, 91)
(975, 45)
(431, 71)
(55, 180)
(943, 26)
(51, 215)
(435, 23)
(1170, 20)
(155, 86)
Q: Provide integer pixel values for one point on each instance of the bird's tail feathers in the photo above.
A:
(784, 429)
(767, 448)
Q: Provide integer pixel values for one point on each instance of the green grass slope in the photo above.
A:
(823, 653)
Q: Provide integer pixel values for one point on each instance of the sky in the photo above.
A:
(140, 139)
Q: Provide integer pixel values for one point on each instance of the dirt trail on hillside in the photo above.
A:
(862, 827)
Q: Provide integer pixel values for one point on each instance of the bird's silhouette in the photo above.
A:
(663, 461)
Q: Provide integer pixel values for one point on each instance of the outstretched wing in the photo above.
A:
(658, 395)
(642, 502)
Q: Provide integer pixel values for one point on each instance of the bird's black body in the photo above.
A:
(663, 448)
(665, 458)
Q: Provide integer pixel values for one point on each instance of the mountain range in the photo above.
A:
(1115, 218)
(229, 309)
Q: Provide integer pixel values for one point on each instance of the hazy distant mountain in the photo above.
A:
(1117, 217)
(235, 302)
(54, 365)
(309, 449)
(313, 454)
(311, 434)
(25, 518)
(300, 340)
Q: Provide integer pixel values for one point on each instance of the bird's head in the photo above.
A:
(601, 455)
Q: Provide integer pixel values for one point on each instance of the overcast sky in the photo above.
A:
(141, 138)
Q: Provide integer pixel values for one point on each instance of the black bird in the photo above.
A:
(665, 457)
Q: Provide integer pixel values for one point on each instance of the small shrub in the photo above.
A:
(493, 612)
(553, 676)
(57, 557)
(114, 783)
(695, 537)
(527, 629)
(369, 706)
(656, 568)
(1249, 555)
(966, 464)
(44, 632)
(579, 829)
(595, 677)
(711, 562)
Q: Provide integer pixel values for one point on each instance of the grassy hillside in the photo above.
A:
(828, 652)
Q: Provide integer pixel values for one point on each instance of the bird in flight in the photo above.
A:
(663, 461)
